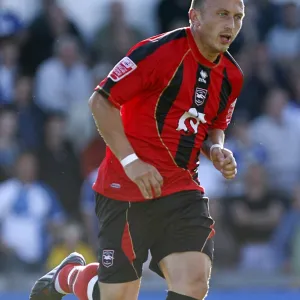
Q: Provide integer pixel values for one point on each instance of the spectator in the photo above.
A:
(284, 40)
(245, 151)
(286, 238)
(267, 17)
(27, 209)
(8, 70)
(9, 147)
(63, 79)
(118, 35)
(60, 167)
(259, 78)
(275, 133)
(63, 83)
(42, 33)
(71, 240)
(167, 20)
(10, 24)
(252, 217)
(88, 205)
(30, 117)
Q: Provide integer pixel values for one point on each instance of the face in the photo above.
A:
(27, 168)
(23, 91)
(68, 53)
(8, 124)
(55, 129)
(275, 103)
(218, 23)
(255, 175)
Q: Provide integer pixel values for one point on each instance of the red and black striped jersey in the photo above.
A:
(169, 96)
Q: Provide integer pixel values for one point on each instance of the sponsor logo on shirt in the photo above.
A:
(189, 122)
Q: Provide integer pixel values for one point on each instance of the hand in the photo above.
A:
(146, 177)
(224, 161)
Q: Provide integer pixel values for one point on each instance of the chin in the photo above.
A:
(223, 49)
(220, 48)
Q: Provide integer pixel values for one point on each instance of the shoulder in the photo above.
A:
(232, 63)
(8, 185)
(50, 64)
(234, 73)
(159, 45)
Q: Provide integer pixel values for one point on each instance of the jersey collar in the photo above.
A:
(199, 57)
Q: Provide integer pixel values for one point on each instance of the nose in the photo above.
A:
(230, 24)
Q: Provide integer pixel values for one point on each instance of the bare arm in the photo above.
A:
(109, 124)
(215, 136)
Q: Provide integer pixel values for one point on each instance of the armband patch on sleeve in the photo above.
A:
(123, 68)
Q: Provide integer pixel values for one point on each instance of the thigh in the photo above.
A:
(186, 269)
(122, 247)
(187, 227)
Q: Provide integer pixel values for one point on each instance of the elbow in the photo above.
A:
(96, 102)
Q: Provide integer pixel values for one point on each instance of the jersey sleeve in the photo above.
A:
(224, 118)
(130, 76)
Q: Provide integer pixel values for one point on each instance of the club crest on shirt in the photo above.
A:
(123, 68)
(108, 258)
(200, 96)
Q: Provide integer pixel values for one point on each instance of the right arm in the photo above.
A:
(109, 123)
(110, 127)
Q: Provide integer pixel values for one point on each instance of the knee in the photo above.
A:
(195, 284)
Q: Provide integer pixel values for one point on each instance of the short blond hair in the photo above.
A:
(197, 4)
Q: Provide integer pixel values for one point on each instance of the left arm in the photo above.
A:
(221, 157)
(213, 147)
(215, 136)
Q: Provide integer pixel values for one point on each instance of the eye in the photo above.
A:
(238, 17)
(222, 14)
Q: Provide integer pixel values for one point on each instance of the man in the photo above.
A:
(175, 91)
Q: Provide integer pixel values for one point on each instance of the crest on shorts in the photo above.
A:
(108, 258)
(200, 96)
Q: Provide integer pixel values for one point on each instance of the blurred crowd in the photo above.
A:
(51, 58)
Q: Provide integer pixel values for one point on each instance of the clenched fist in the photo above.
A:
(224, 161)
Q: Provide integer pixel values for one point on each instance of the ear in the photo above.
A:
(195, 17)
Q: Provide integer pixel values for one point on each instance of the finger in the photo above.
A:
(229, 173)
(229, 167)
(158, 177)
(226, 152)
(229, 159)
(229, 177)
(147, 183)
(142, 188)
(217, 155)
(155, 184)
(220, 158)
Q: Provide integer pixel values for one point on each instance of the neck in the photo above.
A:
(204, 50)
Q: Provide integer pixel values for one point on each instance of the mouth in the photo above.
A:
(226, 38)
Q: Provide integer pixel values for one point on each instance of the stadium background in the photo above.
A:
(51, 57)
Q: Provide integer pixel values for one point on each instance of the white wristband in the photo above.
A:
(129, 159)
(213, 147)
